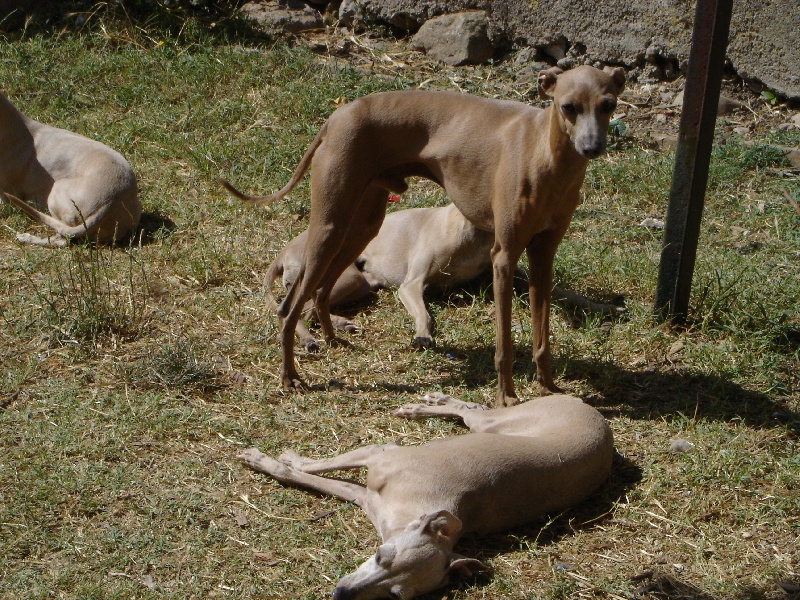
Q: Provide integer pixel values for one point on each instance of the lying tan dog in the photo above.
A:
(509, 168)
(515, 465)
(88, 188)
(415, 250)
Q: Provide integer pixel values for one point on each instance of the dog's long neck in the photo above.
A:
(566, 161)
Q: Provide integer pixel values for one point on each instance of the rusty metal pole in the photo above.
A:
(692, 157)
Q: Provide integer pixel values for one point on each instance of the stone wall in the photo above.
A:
(764, 42)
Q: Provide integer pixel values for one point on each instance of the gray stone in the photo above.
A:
(680, 445)
(457, 39)
(288, 15)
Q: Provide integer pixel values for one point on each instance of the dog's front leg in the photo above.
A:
(410, 292)
(347, 491)
(503, 273)
(541, 252)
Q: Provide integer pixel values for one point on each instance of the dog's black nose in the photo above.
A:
(592, 150)
(341, 593)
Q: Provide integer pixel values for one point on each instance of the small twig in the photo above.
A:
(792, 201)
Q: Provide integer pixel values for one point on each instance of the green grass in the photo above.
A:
(131, 377)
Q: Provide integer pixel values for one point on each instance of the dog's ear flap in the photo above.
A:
(462, 567)
(618, 75)
(547, 81)
(441, 523)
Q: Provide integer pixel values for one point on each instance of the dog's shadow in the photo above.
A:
(645, 394)
(153, 227)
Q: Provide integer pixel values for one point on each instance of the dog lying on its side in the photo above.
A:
(515, 465)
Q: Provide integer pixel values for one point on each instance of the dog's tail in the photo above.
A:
(298, 174)
(86, 228)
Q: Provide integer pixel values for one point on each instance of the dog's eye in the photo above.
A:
(569, 108)
(608, 105)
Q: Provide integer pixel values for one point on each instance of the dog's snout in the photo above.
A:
(592, 149)
(341, 592)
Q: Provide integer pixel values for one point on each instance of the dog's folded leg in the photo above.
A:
(436, 404)
(576, 302)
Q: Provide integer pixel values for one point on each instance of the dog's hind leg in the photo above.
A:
(328, 232)
(372, 210)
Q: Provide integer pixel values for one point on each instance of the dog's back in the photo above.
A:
(518, 464)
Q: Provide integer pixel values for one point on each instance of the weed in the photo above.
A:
(90, 297)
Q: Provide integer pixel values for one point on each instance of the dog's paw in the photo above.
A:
(422, 342)
(436, 399)
(292, 382)
(337, 342)
(258, 461)
(291, 459)
(250, 456)
(342, 324)
(502, 400)
(411, 411)
(310, 344)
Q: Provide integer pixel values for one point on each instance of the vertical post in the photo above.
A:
(692, 157)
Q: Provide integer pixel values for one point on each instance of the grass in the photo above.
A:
(132, 376)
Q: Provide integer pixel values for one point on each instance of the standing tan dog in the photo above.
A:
(509, 168)
(88, 188)
(415, 249)
(515, 465)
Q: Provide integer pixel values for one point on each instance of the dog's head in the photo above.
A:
(584, 99)
(413, 562)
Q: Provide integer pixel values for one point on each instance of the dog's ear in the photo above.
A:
(441, 523)
(547, 81)
(618, 75)
(463, 567)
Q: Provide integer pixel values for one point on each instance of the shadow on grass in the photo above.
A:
(641, 395)
(650, 394)
(186, 20)
(153, 226)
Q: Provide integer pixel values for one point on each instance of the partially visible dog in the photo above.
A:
(89, 189)
(416, 249)
(510, 168)
(516, 464)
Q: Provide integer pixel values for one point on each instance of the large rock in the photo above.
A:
(457, 39)
(652, 35)
(408, 15)
(289, 15)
